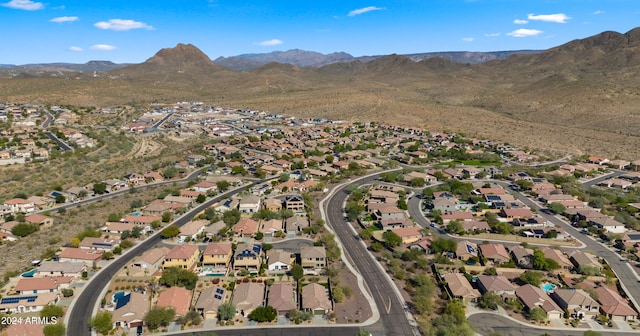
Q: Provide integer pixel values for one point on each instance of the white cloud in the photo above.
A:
(122, 25)
(557, 18)
(62, 19)
(492, 34)
(518, 21)
(364, 10)
(598, 12)
(467, 39)
(524, 32)
(269, 43)
(24, 5)
(103, 47)
(76, 49)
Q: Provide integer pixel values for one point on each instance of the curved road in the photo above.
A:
(393, 318)
(82, 309)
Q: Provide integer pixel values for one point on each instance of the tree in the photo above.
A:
(537, 314)
(532, 277)
(365, 234)
(455, 227)
(174, 276)
(264, 314)
(223, 185)
(55, 329)
(338, 294)
(231, 217)
(170, 172)
(284, 177)
(201, 198)
(490, 271)
(166, 217)
(589, 270)
(60, 199)
(24, 229)
(557, 208)
(136, 232)
(226, 311)
(136, 204)
(51, 310)
(489, 300)
(102, 322)
(392, 239)
(440, 245)
(159, 317)
(402, 204)
(99, 188)
(113, 217)
(417, 182)
(238, 170)
(297, 272)
(170, 231)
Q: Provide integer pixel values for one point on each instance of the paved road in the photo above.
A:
(57, 140)
(612, 174)
(487, 323)
(393, 319)
(311, 331)
(82, 309)
(47, 121)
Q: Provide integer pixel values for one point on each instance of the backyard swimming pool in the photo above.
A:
(29, 274)
(548, 287)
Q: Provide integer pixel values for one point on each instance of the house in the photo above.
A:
(530, 222)
(423, 244)
(27, 303)
(475, 226)
(579, 258)
(558, 257)
(182, 256)
(608, 224)
(315, 299)
(495, 283)
(248, 256)
(313, 259)
(409, 234)
(296, 223)
(444, 205)
(272, 204)
(279, 261)
(177, 297)
(191, 194)
(210, 300)
(389, 212)
(98, 244)
(532, 296)
(212, 230)
(512, 214)
(42, 220)
(460, 288)
(193, 229)
(282, 297)
(466, 250)
(179, 201)
(248, 296)
(456, 215)
(494, 252)
(56, 269)
(216, 258)
(153, 176)
(270, 227)
(249, 204)
(159, 207)
(134, 179)
(20, 205)
(42, 285)
(294, 203)
(579, 304)
(72, 254)
(205, 186)
(129, 309)
(118, 227)
(143, 221)
(148, 262)
(246, 227)
(523, 257)
(614, 306)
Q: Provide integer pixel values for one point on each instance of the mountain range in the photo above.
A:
(247, 62)
(580, 97)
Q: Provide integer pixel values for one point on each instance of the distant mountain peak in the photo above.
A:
(180, 55)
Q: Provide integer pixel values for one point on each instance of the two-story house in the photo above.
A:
(216, 258)
(248, 256)
(313, 259)
(182, 256)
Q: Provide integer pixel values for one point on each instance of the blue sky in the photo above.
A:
(131, 31)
